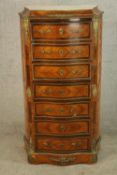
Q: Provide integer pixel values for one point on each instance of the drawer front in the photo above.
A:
(76, 91)
(61, 109)
(50, 31)
(62, 144)
(42, 72)
(62, 128)
(61, 52)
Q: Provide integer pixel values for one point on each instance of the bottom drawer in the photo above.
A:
(62, 144)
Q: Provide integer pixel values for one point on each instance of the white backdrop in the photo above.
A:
(11, 88)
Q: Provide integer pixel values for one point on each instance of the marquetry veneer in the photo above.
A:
(61, 56)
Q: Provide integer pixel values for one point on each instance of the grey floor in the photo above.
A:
(12, 154)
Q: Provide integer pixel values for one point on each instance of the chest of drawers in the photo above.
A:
(61, 56)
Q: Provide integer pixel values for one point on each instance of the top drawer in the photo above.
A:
(79, 30)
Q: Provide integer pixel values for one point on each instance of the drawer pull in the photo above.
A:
(47, 144)
(61, 31)
(76, 72)
(41, 31)
(77, 31)
(49, 31)
(46, 52)
(62, 159)
(62, 128)
(62, 110)
(62, 92)
(61, 52)
(74, 115)
(48, 110)
(42, 51)
(73, 111)
(61, 72)
(73, 144)
(73, 51)
(76, 51)
(62, 145)
(48, 91)
(76, 144)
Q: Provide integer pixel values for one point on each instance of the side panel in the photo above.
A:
(96, 78)
(27, 75)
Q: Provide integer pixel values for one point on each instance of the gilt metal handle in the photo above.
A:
(41, 31)
(62, 127)
(94, 90)
(48, 144)
(76, 72)
(45, 51)
(62, 145)
(62, 159)
(61, 31)
(26, 28)
(28, 92)
(73, 112)
(62, 110)
(76, 144)
(61, 52)
(48, 110)
(61, 72)
(61, 92)
(74, 115)
(76, 51)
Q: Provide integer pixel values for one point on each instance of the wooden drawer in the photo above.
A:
(62, 109)
(53, 144)
(61, 72)
(59, 31)
(62, 92)
(62, 128)
(60, 52)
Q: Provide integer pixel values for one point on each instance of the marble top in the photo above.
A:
(61, 7)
